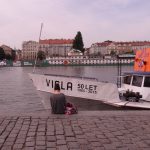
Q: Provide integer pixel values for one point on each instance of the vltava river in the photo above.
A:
(19, 96)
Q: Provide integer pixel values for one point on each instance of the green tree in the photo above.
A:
(2, 53)
(113, 53)
(8, 57)
(13, 54)
(78, 42)
(41, 55)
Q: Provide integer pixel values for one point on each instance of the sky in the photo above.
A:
(97, 20)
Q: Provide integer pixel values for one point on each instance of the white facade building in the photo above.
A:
(56, 47)
(29, 50)
(51, 47)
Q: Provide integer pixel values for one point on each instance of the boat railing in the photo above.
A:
(77, 77)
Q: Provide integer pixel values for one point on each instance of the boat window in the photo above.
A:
(147, 82)
(137, 81)
(127, 79)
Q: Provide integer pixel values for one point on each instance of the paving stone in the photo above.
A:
(41, 143)
(60, 137)
(40, 138)
(51, 148)
(109, 147)
(71, 139)
(31, 134)
(50, 133)
(51, 138)
(51, 144)
(62, 147)
(40, 133)
(40, 147)
(82, 141)
(2, 140)
(60, 132)
(61, 142)
(20, 141)
(30, 144)
(73, 145)
(6, 148)
(70, 134)
(17, 146)
(29, 148)
(96, 144)
(29, 139)
(9, 143)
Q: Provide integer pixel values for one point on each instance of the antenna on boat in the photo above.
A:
(38, 48)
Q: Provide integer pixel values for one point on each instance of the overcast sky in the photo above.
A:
(98, 20)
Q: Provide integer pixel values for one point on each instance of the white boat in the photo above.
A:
(77, 87)
(90, 89)
(17, 64)
(138, 82)
(2, 63)
(85, 61)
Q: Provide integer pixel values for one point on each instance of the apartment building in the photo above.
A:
(107, 47)
(29, 50)
(56, 47)
(7, 49)
(51, 47)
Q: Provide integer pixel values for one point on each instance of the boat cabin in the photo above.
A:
(137, 82)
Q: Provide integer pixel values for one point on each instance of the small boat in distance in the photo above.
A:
(2, 63)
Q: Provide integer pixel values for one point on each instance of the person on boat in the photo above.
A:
(58, 101)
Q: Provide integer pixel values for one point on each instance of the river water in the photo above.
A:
(19, 96)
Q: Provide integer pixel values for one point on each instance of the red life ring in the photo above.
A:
(66, 62)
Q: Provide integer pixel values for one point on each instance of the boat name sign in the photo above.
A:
(81, 87)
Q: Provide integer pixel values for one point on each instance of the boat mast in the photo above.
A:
(38, 48)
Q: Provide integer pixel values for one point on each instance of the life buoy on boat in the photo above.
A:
(66, 62)
(142, 60)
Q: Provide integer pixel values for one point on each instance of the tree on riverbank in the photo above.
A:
(78, 42)
(2, 53)
(41, 55)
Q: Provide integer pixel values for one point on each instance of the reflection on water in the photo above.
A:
(18, 95)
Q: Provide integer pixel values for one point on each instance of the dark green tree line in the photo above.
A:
(2, 54)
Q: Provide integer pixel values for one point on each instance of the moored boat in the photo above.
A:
(136, 84)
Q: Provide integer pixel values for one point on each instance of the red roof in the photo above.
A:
(57, 41)
(134, 43)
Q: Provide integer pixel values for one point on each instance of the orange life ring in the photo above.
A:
(66, 62)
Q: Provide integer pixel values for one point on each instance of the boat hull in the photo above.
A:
(107, 93)
(77, 87)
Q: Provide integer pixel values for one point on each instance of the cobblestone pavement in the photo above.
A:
(103, 131)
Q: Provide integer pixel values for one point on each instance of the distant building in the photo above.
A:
(29, 50)
(106, 47)
(56, 47)
(75, 52)
(7, 49)
(18, 55)
(51, 47)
